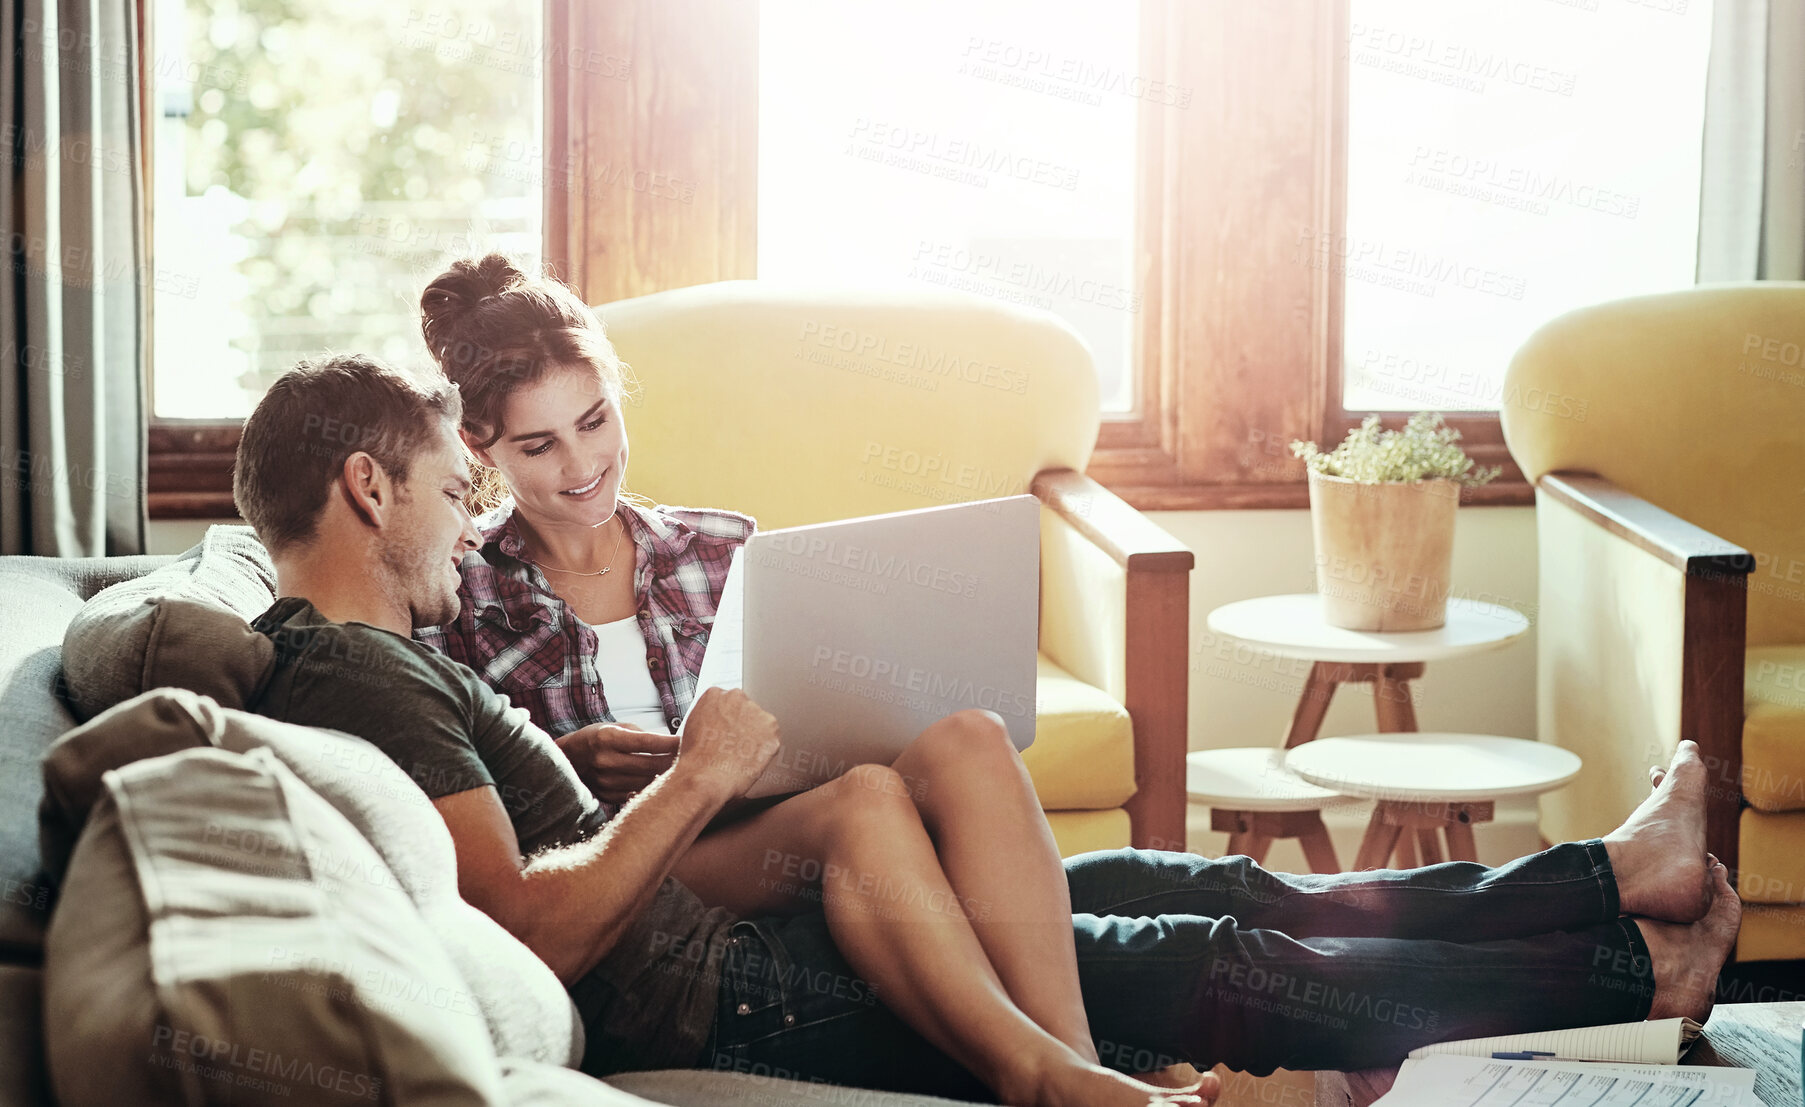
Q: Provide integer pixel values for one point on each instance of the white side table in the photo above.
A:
(1293, 626)
(1256, 798)
(1430, 783)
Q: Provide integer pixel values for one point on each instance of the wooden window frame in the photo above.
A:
(1239, 349)
(1239, 344)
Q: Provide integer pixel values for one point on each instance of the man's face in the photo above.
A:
(431, 532)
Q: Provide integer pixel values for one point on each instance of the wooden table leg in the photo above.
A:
(1392, 704)
(1431, 845)
(1319, 689)
(1319, 851)
(1460, 840)
(1253, 832)
(1406, 850)
(1399, 825)
(1376, 846)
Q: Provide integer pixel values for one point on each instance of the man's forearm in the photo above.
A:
(580, 899)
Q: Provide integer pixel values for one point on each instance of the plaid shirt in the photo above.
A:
(526, 643)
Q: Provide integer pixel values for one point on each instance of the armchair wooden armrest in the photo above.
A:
(1115, 606)
(1620, 634)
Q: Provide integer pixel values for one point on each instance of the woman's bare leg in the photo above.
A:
(998, 853)
(897, 921)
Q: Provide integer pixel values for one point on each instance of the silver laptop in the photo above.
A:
(859, 633)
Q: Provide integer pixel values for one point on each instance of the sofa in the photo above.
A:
(1663, 436)
(203, 906)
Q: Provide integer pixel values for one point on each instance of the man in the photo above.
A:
(354, 479)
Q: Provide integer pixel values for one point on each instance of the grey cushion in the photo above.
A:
(528, 1013)
(109, 649)
(38, 597)
(224, 936)
(535, 1084)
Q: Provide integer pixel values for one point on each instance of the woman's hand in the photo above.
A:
(617, 761)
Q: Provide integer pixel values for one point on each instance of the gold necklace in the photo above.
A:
(603, 571)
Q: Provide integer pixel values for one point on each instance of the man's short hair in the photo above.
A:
(316, 416)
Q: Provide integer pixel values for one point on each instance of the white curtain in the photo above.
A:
(73, 296)
(1752, 197)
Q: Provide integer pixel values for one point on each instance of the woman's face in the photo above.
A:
(563, 448)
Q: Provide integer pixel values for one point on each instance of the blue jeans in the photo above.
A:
(1184, 958)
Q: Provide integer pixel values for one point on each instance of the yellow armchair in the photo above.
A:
(806, 405)
(1666, 438)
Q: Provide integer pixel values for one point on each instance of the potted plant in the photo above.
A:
(1382, 511)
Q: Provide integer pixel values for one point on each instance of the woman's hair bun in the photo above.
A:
(460, 288)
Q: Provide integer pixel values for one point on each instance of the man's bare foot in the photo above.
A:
(1688, 959)
(1658, 854)
(1082, 1084)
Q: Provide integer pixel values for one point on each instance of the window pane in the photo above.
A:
(316, 164)
(984, 145)
(1508, 163)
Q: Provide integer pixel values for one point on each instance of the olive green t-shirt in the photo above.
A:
(651, 1002)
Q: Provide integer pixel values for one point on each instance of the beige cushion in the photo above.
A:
(1773, 730)
(1076, 832)
(1082, 757)
(185, 624)
(529, 1014)
(234, 937)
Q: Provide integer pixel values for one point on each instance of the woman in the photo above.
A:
(591, 610)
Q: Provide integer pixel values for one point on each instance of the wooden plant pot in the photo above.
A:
(1383, 551)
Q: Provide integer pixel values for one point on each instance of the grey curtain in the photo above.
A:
(72, 296)
(1752, 196)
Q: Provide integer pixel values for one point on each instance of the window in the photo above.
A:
(982, 146)
(313, 166)
(1265, 218)
(1507, 163)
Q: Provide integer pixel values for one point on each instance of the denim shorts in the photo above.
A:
(791, 1007)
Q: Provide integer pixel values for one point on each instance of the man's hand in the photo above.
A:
(726, 743)
(617, 761)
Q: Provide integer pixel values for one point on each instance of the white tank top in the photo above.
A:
(620, 664)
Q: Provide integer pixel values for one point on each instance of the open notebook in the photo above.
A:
(1660, 1042)
(1447, 1081)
